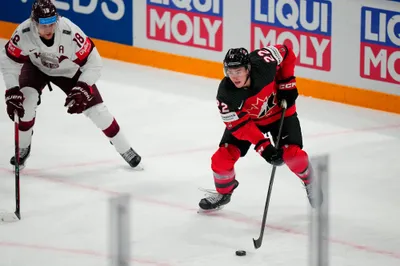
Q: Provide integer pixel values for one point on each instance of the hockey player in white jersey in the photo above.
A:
(49, 48)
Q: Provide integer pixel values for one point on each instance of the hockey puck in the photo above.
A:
(240, 253)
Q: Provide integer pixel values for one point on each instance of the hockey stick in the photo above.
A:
(17, 190)
(12, 217)
(258, 242)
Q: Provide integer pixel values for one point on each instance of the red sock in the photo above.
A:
(222, 164)
(297, 161)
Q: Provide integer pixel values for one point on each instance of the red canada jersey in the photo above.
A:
(244, 109)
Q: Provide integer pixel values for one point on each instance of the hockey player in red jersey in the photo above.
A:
(49, 48)
(249, 100)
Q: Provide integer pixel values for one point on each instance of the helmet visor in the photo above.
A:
(235, 71)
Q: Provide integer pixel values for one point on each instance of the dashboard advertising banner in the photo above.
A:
(195, 23)
(110, 20)
(306, 26)
(380, 45)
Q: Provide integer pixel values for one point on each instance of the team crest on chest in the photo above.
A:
(49, 60)
(262, 106)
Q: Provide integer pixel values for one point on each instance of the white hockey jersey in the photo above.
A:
(72, 50)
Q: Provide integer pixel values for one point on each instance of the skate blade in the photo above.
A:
(139, 167)
(205, 212)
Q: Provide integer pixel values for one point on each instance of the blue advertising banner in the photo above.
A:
(110, 20)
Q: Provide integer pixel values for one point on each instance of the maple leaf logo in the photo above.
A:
(266, 105)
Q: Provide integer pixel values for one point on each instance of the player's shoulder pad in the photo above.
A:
(24, 27)
(267, 55)
(230, 95)
(263, 66)
(69, 28)
(21, 34)
(65, 25)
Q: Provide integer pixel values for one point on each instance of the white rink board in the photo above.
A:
(206, 29)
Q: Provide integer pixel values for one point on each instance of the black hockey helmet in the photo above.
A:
(236, 57)
(44, 12)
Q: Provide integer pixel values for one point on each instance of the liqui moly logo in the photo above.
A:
(196, 23)
(304, 25)
(380, 45)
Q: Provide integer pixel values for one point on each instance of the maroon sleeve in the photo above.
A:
(14, 52)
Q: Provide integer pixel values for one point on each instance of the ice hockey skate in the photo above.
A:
(23, 156)
(314, 194)
(215, 201)
(133, 159)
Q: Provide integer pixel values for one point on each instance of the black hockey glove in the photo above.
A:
(271, 154)
(287, 90)
(14, 99)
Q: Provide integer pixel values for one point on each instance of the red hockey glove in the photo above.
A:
(78, 98)
(269, 152)
(14, 100)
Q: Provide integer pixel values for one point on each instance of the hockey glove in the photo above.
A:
(14, 100)
(269, 152)
(287, 90)
(78, 98)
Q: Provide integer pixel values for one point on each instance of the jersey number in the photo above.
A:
(223, 107)
(79, 40)
(266, 55)
(15, 39)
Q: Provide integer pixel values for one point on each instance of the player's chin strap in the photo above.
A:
(248, 75)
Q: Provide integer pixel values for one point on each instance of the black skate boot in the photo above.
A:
(314, 194)
(215, 200)
(132, 158)
(23, 156)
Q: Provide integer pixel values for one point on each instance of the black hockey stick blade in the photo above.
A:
(257, 242)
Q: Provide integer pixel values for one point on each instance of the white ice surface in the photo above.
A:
(172, 120)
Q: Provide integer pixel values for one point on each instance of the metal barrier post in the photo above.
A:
(319, 217)
(119, 231)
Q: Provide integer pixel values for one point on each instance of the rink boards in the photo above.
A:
(354, 60)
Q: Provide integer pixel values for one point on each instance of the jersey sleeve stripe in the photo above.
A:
(275, 53)
(15, 54)
(83, 54)
(238, 126)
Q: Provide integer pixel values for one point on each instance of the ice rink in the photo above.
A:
(173, 121)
